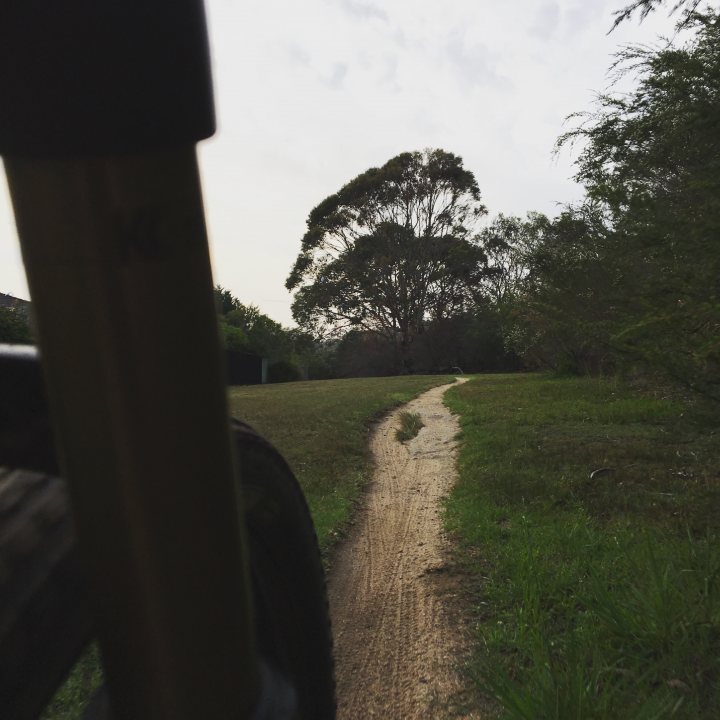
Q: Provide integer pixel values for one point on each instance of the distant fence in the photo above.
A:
(244, 368)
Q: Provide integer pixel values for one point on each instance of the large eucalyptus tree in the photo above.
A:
(391, 250)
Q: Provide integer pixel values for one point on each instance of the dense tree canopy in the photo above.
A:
(508, 243)
(14, 326)
(245, 329)
(391, 250)
(630, 276)
(651, 160)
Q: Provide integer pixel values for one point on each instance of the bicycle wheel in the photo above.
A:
(291, 609)
(45, 616)
(45, 611)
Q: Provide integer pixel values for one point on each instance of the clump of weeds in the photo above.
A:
(410, 424)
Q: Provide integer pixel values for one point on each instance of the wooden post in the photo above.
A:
(117, 262)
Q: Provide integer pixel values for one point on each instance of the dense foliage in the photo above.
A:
(651, 167)
(663, 193)
(630, 278)
(14, 326)
(291, 353)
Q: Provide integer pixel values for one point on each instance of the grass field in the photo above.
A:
(321, 428)
(587, 522)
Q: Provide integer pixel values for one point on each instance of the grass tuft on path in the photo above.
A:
(594, 595)
(410, 425)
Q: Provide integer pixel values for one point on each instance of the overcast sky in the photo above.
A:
(309, 94)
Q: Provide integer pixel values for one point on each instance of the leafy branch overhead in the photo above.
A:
(645, 7)
(391, 249)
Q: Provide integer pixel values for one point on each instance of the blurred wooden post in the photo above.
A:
(119, 274)
(102, 104)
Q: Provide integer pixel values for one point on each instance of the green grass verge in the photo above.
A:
(410, 424)
(70, 700)
(321, 428)
(592, 597)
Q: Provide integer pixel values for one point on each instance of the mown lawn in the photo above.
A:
(587, 518)
(321, 428)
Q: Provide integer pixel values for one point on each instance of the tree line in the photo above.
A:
(292, 353)
(14, 326)
(630, 277)
(397, 270)
(400, 271)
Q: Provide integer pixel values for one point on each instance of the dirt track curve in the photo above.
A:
(396, 640)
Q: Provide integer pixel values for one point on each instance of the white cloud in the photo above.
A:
(389, 74)
(363, 10)
(583, 15)
(473, 60)
(545, 21)
(337, 76)
(297, 54)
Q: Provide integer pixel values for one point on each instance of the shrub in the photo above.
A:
(283, 371)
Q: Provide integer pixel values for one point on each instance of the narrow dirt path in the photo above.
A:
(396, 642)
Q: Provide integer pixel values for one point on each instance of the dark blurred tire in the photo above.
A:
(292, 616)
(45, 613)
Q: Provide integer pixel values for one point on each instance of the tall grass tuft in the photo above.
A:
(410, 425)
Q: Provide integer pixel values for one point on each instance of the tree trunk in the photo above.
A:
(406, 360)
